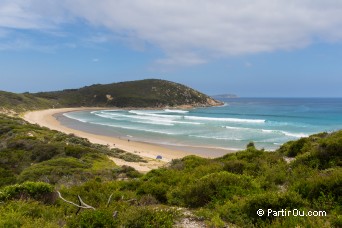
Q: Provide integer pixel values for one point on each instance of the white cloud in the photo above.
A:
(193, 31)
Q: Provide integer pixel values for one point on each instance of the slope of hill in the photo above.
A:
(142, 93)
(149, 93)
(12, 102)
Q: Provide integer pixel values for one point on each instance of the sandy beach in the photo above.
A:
(149, 151)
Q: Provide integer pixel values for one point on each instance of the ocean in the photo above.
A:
(268, 122)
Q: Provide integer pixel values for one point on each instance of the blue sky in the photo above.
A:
(262, 48)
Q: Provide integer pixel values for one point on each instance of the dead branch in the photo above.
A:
(109, 199)
(82, 204)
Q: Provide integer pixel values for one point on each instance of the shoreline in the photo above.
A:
(47, 118)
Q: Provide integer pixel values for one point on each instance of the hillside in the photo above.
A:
(143, 93)
(38, 164)
(12, 102)
(150, 93)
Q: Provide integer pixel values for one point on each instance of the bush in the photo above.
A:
(90, 218)
(271, 200)
(128, 171)
(43, 152)
(75, 151)
(327, 183)
(158, 190)
(30, 214)
(34, 190)
(215, 186)
(53, 170)
(6, 177)
(243, 212)
(148, 217)
(235, 166)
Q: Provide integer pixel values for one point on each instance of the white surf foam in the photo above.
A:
(215, 137)
(141, 113)
(175, 111)
(135, 128)
(224, 119)
(74, 118)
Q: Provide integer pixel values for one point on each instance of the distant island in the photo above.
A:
(224, 96)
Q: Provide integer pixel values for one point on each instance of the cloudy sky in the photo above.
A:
(260, 48)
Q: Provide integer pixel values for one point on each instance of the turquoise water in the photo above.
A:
(268, 122)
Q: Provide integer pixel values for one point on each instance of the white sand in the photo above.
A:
(149, 151)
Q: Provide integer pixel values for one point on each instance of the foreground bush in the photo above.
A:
(33, 190)
(216, 186)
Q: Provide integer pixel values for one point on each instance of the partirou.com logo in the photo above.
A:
(286, 212)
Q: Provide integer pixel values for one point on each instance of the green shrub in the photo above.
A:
(158, 190)
(128, 171)
(193, 161)
(43, 152)
(31, 214)
(6, 177)
(243, 211)
(54, 169)
(215, 186)
(93, 218)
(326, 184)
(271, 200)
(148, 217)
(74, 151)
(235, 166)
(34, 190)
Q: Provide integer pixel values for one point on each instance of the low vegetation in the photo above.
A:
(32, 153)
(43, 172)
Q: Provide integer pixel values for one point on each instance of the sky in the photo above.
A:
(260, 48)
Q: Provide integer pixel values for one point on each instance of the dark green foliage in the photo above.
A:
(43, 152)
(33, 190)
(317, 151)
(157, 190)
(215, 186)
(7, 177)
(91, 218)
(326, 183)
(148, 217)
(297, 147)
(28, 213)
(271, 200)
(250, 145)
(127, 171)
(53, 170)
(235, 166)
(75, 151)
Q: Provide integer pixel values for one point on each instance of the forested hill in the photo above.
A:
(151, 93)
